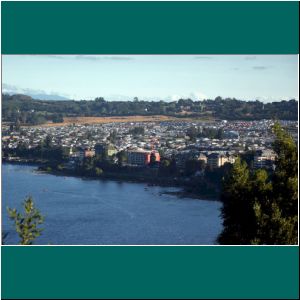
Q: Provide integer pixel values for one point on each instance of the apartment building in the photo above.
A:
(216, 160)
(264, 159)
(141, 157)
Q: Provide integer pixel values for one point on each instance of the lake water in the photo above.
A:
(93, 212)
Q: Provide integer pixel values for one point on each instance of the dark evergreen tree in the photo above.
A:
(261, 207)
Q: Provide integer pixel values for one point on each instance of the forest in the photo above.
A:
(25, 110)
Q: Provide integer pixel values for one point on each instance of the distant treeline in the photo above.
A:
(23, 109)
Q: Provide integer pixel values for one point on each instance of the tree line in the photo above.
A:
(23, 109)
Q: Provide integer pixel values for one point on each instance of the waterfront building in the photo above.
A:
(216, 160)
(140, 157)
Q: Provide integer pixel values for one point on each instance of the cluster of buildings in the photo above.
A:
(168, 139)
(264, 159)
(134, 157)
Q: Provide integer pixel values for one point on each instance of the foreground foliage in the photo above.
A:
(261, 207)
(27, 224)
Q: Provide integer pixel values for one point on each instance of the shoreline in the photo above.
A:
(180, 194)
(183, 193)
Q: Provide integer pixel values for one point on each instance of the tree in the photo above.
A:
(278, 216)
(237, 209)
(193, 133)
(248, 157)
(20, 108)
(48, 142)
(122, 157)
(27, 224)
(173, 166)
(286, 173)
(112, 136)
(137, 131)
(57, 118)
(220, 134)
(164, 167)
(100, 100)
(152, 159)
(98, 171)
(192, 166)
(261, 207)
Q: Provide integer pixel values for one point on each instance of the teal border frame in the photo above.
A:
(177, 272)
(150, 28)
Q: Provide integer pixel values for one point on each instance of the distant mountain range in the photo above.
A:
(34, 94)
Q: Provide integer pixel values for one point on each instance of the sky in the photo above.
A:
(153, 77)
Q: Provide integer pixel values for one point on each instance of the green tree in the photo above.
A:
(98, 171)
(261, 207)
(286, 173)
(152, 159)
(112, 136)
(237, 210)
(49, 169)
(137, 131)
(122, 157)
(27, 224)
(48, 142)
(277, 216)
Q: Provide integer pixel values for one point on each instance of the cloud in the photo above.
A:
(60, 57)
(250, 57)
(119, 58)
(267, 99)
(175, 97)
(99, 58)
(194, 96)
(204, 57)
(57, 56)
(86, 57)
(260, 68)
(198, 96)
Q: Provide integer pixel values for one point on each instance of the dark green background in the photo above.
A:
(151, 28)
(150, 272)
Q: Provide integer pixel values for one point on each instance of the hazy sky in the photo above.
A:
(154, 77)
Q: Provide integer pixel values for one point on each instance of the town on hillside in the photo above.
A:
(149, 143)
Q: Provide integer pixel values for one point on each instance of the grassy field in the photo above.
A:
(122, 119)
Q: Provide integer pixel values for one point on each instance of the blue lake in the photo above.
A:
(93, 212)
